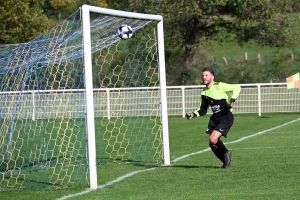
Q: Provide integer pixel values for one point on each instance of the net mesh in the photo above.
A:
(43, 132)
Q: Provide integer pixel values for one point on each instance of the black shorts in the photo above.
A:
(221, 124)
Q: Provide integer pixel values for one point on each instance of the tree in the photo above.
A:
(61, 9)
(190, 23)
(21, 21)
(60, 3)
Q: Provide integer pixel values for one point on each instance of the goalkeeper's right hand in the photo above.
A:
(190, 115)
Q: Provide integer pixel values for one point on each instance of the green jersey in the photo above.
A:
(217, 97)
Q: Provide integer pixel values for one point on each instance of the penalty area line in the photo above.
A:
(175, 160)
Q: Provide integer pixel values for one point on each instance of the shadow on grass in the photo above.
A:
(192, 166)
(178, 166)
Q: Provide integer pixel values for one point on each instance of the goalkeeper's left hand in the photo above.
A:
(230, 103)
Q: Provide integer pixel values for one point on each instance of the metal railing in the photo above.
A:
(142, 101)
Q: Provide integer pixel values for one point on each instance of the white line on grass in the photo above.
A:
(239, 140)
(255, 148)
(175, 160)
(106, 184)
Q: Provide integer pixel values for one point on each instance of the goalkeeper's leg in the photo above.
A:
(218, 154)
(219, 148)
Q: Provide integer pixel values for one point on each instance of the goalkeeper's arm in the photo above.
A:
(200, 112)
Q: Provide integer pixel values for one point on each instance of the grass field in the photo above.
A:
(231, 50)
(265, 165)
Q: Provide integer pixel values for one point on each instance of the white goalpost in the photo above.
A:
(89, 84)
(79, 97)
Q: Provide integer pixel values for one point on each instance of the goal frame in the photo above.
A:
(86, 9)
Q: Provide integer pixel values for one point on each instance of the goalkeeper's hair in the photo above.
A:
(208, 70)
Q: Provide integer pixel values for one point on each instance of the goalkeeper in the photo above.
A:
(217, 96)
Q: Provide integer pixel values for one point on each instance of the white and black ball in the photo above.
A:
(125, 32)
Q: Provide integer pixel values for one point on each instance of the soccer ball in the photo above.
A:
(125, 32)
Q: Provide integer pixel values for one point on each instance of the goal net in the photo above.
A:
(74, 98)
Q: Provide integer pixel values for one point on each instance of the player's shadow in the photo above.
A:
(176, 166)
(192, 166)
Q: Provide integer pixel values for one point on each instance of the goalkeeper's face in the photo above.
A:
(207, 78)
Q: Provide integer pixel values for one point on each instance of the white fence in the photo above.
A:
(143, 101)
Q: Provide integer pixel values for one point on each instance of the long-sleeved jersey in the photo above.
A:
(217, 97)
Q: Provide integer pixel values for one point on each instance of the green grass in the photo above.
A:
(265, 166)
(274, 65)
(233, 51)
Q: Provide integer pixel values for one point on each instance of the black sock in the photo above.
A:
(221, 146)
(219, 154)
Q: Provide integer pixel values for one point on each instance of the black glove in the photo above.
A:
(190, 115)
(230, 103)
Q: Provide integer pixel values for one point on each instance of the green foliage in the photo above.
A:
(21, 21)
(274, 68)
(189, 23)
(60, 3)
(189, 27)
(287, 5)
(245, 72)
(282, 66)
(58, 10)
